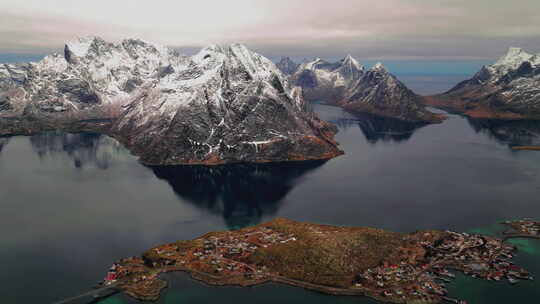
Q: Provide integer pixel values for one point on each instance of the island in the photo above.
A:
(387, 266)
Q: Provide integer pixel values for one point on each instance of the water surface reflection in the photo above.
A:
(3, 142)
(512, 133)
(374, 128)
(83, 148)
(241, 193)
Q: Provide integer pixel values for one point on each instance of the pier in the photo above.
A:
(92, 296)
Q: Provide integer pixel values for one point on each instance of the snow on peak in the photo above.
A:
(379, 67)
(311, 65)
(257, 66)
(513, 58)
(135, 43)
(81, 46)
(351, 62)
(236, 56)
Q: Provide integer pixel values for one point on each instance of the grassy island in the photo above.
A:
(387, 266)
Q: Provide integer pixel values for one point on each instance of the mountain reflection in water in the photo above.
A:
(378, 128)
(83, 148)
(3, 142)
(241, 193)
(512, 133)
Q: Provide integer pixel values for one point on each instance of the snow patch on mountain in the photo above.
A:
(224, 104)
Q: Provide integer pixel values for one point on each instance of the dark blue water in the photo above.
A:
(73, 203)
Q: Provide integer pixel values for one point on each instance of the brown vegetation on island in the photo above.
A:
(387, 266)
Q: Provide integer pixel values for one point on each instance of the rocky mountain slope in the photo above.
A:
(507, 89)
(224, 104)
(287, 66)
(350, 85)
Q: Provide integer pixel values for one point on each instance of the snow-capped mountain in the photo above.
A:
(328, 82)
(287, 66)
(224, 104)
(350, 85)
(507, 89)
(381, 93)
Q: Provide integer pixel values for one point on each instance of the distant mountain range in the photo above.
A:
(348, 84)
(287, 66)
(507, 89)
(227, 104)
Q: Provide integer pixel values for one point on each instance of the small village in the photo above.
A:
(223, 258)
(474, 255)
(212, 257)
(523, 228)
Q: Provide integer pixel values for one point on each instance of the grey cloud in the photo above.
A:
(385, 29)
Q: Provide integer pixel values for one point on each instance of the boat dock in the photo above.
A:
(92, 296)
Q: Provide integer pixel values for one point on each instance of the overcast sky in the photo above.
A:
(371, 29)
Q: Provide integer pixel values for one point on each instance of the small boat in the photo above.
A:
(513, 280)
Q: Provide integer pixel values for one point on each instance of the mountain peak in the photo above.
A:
(379, 67)
(350, 61)
(514, 49)
(287, 65)
(238, 46)
(514, 58)
(286, 59)
(225, 104)
(81, 46)
(348, 58)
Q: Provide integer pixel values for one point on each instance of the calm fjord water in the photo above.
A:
(71, 204)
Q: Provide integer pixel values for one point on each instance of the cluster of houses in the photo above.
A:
(474, 255)
(225, 252)
(419, 274)
(528, 227)
(401, 281)
(125, 267)
(480, 256)
(221, 254)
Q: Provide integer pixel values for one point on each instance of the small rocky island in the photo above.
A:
(225, 104)
(386, 266)
(507, 89)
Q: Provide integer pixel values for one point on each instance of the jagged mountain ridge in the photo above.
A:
(224, 104)
(287, 66)
(348, 84)
(507, 89)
